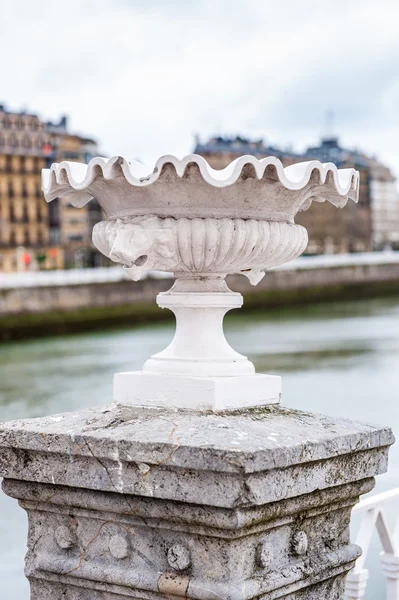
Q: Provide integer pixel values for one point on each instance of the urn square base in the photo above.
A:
(139, 388)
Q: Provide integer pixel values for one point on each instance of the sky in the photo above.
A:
(144, 77)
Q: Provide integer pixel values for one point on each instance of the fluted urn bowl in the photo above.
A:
(185, 216)
(202, 224)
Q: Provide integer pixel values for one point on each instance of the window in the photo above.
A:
(14, 261)
(24, 190)
(25, 214)
(40, 237)
(41, 211)
(11, 213)
(10, 190)
(13, 141)
(38, 192)
(54, 236)
(53, 212)
(26, 237)
(13, 239)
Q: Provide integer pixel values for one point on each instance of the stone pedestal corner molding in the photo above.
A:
(201, 224)
(129, 502)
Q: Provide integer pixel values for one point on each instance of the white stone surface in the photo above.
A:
(202, 246)
(201, 393)
(199, 347)
(247, 188)
(184, 217)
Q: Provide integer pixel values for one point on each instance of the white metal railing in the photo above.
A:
(373, 518)
(107, 274)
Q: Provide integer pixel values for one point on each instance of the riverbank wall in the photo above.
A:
(38, 304)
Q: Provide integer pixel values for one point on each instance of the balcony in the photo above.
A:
(20, 151)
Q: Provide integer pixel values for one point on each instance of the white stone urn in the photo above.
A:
(201, 224)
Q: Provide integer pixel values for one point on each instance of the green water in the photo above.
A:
(340, 359)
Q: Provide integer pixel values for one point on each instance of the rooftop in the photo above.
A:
(329, 150)
(19, 126)
(240, 146)
(50, 125)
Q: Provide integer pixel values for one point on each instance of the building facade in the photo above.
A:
(220, 151)
(372, 224)
(34, 234)
(76, 224)
(384, 206)
(348, 229)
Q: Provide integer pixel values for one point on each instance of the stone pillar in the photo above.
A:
(128, 502)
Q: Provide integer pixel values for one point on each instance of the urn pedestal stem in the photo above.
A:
(199, 369)
(199, 347)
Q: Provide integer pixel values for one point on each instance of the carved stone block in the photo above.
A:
(148, 504)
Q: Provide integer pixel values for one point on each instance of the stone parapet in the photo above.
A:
(145, 503)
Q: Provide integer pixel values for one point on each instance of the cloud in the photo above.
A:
(145, 76)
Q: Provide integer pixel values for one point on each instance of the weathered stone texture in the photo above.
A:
(146, 504)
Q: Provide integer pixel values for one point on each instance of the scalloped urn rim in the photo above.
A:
(246, 188)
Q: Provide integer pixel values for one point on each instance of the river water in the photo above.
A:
(340, 359)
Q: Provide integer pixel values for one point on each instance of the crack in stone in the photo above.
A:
(171, 453)
(32, 550)
(172, 431)
(93, 539)
(103, 466)
(167, 458)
